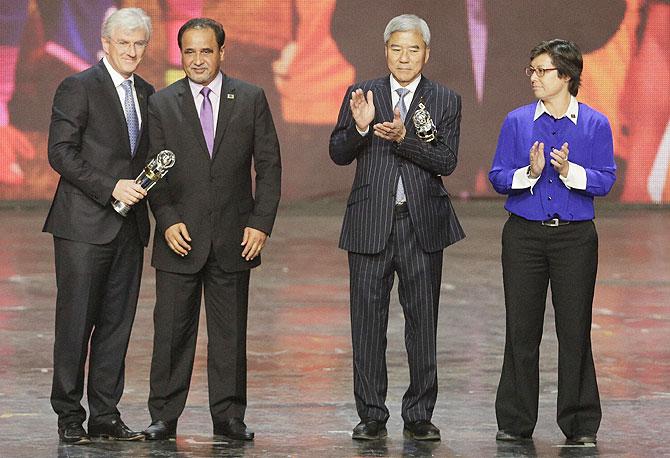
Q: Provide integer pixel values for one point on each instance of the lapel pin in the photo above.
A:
(573, 116)
(230, 96)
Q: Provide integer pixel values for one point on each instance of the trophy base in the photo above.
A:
(121, 208)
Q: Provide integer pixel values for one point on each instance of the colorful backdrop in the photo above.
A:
(305, 53)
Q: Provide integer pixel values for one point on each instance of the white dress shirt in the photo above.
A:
(118, 80)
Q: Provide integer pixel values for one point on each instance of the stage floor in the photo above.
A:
(299, 348)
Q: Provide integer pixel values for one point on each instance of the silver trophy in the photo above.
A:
(153, 171)
(425, 127)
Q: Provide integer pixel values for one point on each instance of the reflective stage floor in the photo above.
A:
(300, 383)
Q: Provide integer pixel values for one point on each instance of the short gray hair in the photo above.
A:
(127, 19)
(406, 23)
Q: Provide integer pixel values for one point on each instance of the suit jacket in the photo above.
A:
(213, 196)
(90, 149)
(379, 163)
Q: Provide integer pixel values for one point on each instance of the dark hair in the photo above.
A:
(566, 57)
(203, 23)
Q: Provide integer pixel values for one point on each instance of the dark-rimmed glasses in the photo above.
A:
(540, 71)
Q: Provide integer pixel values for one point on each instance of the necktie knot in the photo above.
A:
(402, 92)
(205, 91)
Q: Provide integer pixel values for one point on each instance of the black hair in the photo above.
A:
(203, 23)
(566, 57)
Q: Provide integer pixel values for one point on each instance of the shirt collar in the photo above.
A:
(411, 86)
(215, 86)
(117, 78)
(572, 113)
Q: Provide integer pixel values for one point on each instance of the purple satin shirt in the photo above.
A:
(590, 145)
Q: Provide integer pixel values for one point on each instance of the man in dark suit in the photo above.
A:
(210, 228)
(398, 220)
(98, 144)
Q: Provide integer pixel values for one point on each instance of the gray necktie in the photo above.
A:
(400, 191)
(131, 115)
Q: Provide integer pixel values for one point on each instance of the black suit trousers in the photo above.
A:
(534, 256)
(176, 316)
(98, 286)
(371, 278)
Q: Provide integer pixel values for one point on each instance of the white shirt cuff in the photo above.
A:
(576, 177)
(521, 180)
(363, 132)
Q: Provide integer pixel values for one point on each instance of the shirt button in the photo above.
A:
(551, 181)
(549, 197)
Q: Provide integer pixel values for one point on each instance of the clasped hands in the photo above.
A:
(178, 239)
(559, 160)
(363, 111)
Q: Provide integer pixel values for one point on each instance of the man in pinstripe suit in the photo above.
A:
(398, 220)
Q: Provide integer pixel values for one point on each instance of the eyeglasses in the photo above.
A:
(540, 71)
(123, 44)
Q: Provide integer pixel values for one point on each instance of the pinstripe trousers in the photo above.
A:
(371, 279)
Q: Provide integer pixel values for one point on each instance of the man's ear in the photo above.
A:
(105, 44)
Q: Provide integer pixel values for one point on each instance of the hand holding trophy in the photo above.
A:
(156, 169)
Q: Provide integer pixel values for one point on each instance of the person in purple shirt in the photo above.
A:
(552, 158)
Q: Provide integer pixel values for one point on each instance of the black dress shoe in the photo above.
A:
(114, 430)
(582, 439)
(422, 430)
(369, 430)
(506, 436)
(160, 430)
(234, 429)
(73, 433)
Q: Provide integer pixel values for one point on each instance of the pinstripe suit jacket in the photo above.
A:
(379, 163)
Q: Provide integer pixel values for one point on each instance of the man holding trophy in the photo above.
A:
(210, 228)
(98, 145)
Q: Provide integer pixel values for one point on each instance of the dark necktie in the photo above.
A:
(207, 119)
(131, 115)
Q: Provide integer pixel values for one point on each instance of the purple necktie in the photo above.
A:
(207, 119)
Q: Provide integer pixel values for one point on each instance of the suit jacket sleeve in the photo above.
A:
(346, 142)
(159, 196)
(69, 119)
(267, 164)
(440, 155)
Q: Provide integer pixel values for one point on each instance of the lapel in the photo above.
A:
(226, 106)
(422, 93)
(143, 101)
(382, 97)
(187, 105)
(109, 93)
